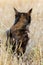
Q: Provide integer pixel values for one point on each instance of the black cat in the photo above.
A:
(18, 32)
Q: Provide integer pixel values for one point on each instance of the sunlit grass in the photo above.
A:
(34, 57)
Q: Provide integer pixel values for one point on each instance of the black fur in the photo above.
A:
(20, 34)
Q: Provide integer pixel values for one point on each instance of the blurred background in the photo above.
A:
(7, 18)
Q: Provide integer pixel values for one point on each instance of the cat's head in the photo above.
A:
(25, 17)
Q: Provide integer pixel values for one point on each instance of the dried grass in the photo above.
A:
(34, 54)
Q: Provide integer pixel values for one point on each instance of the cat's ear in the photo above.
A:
(29, 12)
(16, 12)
